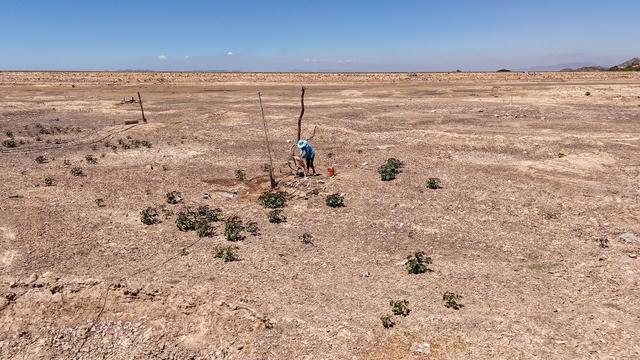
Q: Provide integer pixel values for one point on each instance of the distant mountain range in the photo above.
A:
(630, 65)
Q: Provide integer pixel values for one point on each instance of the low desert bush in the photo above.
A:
(252, 228)
(90, 159)
(433, 183)
(41, 159)
(149, 216)
(418, 263)
(173, 197)
(48, 181)
(389, 170)
(204, 228)
(100, 203)
(9, 143)
(76, 171)
(387, 321)
(273, 200)
(226, 253)
(400, 307)
(335, 201)
(452, 300)
(206, 212)
(276, 217)
(233, 229)
(241, 175)
(307, 239)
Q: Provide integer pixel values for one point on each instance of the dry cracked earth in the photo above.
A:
(535, 224)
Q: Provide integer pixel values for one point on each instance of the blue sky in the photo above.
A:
(358, 35)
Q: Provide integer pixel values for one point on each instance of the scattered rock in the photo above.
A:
(633, 256)
(365, 274)
(421, 348)
(33, 278)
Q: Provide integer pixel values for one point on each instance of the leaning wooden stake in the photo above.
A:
(266, 135)
(301, 113)
(141, 108)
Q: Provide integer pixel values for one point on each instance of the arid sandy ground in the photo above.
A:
(539, 181)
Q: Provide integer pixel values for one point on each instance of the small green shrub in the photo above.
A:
(252, 228)
(226, 253)
(400, 307)
(307, 239)
(204, 229)
(241, 175)
(389, 170)
(588, 93)
(9, 134)
(41, 159)
(210, 214)
(335, 201)
(452, 300)
(94, 147)
(173, 197)
(276, 217)
(233, 229)
(603, 243)
(185, 221)
(146, 144)
(100, 203)
(91, 159)
(48, 181)
(273, 200)
(76, 171)
(10, 143)
(433, 183)
(417, 263)
(149, 216)
(387, 322)
(267, 323)
(66, 162)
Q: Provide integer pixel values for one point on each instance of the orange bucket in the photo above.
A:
(331, 172)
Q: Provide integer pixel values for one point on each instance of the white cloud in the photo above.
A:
(187, 57)
(348, 61)
(310, 60)
(229, 53)
(162, 57)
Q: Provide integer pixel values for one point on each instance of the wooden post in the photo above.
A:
(301, 114)
(141, 108)
(266, 135)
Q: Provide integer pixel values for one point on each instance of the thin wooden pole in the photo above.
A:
(141, 108)
(266, 135)
(301, 114)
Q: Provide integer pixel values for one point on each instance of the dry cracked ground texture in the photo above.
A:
(536, 223)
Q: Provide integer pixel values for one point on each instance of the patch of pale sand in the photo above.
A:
(573, 163)
(7, 233)
(7, 258)
(350, 93)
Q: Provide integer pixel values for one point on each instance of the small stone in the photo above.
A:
(633, 256)
(365, 274)
(422, 348)
(33, 278)
(629, 237)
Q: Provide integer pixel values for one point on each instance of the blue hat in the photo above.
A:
(302, 143)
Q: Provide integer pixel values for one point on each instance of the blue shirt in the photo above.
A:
(307, 151)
